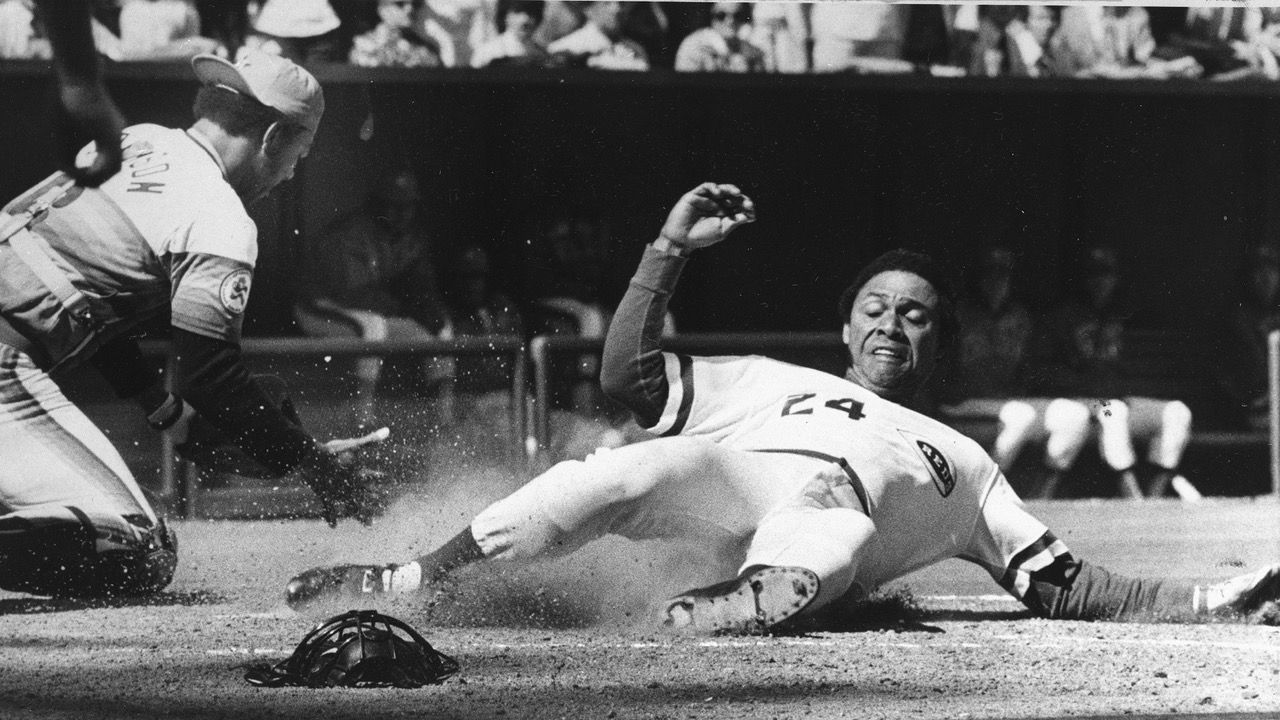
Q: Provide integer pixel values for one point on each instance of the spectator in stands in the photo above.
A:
(516, 21)
(394, 42)
(163, 30)
(372, 274)
(559, 18)
(600, 42)
(21, 37)
(483, 385)
(781, 30)
(1014, 41)
(479, 307)
(988, 378)
(1254, 315)
(721, 46)
(226, 21)
(1027, 38)
(1082, 356)
(1267, 39)
(1228, 42)
(1112, 42)
(859, 36)
(459, 27)
(305, 31)
(562, 270)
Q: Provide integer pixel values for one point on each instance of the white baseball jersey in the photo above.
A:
(932, 493)
(167, 231)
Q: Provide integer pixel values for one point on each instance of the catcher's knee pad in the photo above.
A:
(1115, 440)
(1175, 431)
(1067, 423)
(1016, 420)
(102, 556)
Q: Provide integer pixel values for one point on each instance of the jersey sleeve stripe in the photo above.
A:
(675, 415)
(675, 395)
(854, 480)
(1036, 556)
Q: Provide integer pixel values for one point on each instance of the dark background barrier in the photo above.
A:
(1179, 175)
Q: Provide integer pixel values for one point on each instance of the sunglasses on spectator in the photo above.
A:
(403, 3)
(721, 16)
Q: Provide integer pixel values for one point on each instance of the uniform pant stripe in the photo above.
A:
(1044, 544)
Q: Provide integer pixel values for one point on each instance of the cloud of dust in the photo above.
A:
(610, 581)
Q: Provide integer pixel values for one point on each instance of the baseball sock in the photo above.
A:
(458, 551)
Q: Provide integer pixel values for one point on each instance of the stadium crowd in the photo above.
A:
(1217, 42)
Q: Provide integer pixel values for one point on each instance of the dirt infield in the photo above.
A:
(574, 638)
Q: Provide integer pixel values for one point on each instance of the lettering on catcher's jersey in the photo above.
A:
(939, 468)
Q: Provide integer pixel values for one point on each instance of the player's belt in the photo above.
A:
(854, 480)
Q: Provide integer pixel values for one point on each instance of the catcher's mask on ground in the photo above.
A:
(360, 648)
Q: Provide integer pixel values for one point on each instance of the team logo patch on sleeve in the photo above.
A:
(235, 291)
(944, 478)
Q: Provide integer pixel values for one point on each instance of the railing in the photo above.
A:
(1273, 389)
(175, 480)
(531, 443)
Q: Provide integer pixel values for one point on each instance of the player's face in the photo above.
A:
(893, 334)
(728, 18)
(279, 163)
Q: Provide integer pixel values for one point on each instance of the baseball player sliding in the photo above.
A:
(79, 268)
(827, 486)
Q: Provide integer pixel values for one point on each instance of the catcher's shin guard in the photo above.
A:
(755, 602)
(112, 557)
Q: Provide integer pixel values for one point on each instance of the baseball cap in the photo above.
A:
(274, 81)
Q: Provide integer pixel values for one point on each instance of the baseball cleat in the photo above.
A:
(1242, 594)
(752, 603)
(346, 585)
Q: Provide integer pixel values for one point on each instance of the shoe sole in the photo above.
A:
(755, 603)
(344, 590)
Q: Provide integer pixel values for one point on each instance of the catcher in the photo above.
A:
(821, 487)
(79, 268)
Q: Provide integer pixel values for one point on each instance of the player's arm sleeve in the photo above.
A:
(209, 295)
(1033, 565)
(218, 386)
(207, 306)
(126, 370)
(633, 368)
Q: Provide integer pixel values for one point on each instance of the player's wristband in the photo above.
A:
(169, 412)
(667, 247)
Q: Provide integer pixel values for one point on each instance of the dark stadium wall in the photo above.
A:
(1179, 175)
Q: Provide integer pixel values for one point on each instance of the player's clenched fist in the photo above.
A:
(706, 215)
